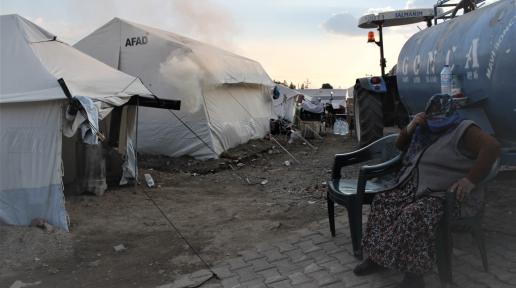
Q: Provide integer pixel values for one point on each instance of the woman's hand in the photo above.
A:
(419, 119)
(462, 188)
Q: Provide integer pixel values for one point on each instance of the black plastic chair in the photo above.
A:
(467, 224)
(353, 193)
(372, 179)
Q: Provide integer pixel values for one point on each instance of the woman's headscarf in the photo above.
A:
(441, 117)
(441, 113)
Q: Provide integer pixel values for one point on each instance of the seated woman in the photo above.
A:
(443, 153)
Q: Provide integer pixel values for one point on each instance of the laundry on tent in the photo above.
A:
(285, 103)
(225, 98)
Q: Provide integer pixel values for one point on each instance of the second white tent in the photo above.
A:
(225, 98)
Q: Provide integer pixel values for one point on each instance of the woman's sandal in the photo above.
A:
(367, 267)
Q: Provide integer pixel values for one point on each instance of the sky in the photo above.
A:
(298, 41)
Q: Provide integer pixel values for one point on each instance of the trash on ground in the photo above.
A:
(196, 279)
(119, 248)
(295, 136)
(94, 263)
(274, 225)
(149, 180)
(287, 163)
(42, 224)
(20, 284)
(264, 182)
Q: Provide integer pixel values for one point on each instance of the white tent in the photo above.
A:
(32, 116)
(285, 104)
(225, 98)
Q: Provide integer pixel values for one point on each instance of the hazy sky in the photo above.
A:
(294, 40)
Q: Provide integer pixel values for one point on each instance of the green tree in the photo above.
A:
(326, 86)
(292, 86)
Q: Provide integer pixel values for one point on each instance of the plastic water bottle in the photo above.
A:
(340, 127)
(337, 127)
(149, 180)
(345, 128)
(446, 80)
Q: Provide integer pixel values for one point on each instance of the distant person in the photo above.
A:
(443, 154)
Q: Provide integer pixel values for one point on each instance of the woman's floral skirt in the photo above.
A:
(400, 232)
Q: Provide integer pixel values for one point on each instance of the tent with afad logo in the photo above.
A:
(225, 98)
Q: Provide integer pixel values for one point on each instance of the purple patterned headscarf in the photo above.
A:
(441, 117)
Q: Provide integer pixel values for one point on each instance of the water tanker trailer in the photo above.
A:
(479, 46)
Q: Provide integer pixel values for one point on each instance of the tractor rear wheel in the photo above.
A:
(368, 117)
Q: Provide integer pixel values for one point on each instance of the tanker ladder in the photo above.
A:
(454, 7)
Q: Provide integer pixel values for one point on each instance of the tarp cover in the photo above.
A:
(31, 116)
(225, 98)
(284, 105)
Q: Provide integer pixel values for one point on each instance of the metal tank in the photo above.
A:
(480, 48)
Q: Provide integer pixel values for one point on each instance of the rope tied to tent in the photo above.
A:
(169, 221)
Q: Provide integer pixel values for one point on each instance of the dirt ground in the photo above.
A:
(219, 206)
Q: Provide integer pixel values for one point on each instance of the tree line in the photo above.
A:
(304, 85)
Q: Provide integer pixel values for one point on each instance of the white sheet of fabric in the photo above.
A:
(285, 105)
(30, 149)
(88, 134)
(206, 79)
(129, 167)
(336, 104)
(72, 123)
(313, 106)
(85, 124)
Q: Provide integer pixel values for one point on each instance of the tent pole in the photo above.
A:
(136, 142)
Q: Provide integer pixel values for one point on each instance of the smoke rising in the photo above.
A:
(211, 22)
(204, 20)
(185, 78)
